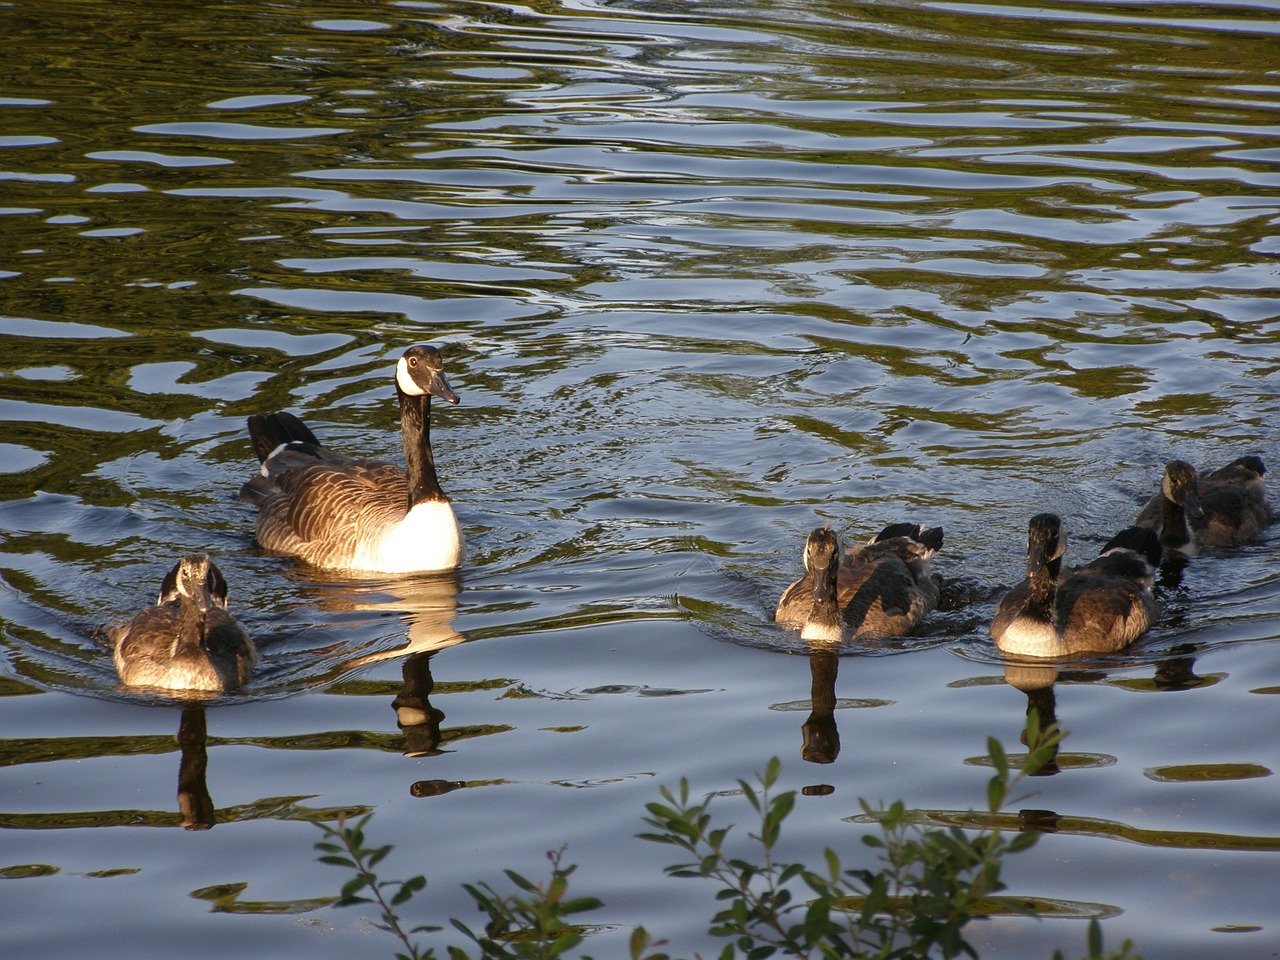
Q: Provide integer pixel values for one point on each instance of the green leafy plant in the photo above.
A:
(533, 925)
(928, 885)
(925, 887)
(345, 848)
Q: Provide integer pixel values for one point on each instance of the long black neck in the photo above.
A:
(1175, 533)
(827, 610)
(420, 465)
(1043, 587)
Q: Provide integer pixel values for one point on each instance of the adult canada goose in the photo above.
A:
(358, 516)
(1227, 507)
(187, 641)
(883, 587)
(1099, 607)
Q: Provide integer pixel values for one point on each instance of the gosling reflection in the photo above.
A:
(1036, 681)
(194, 803)
(821, 742)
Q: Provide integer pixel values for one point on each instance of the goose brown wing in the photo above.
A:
(144, 647)
(796, 601)
(1235, 507)
(1232, 516)
(1248, 470)
(149, 633)
(881, 596)
(1099, 612)
(344, 504)
(230, 650)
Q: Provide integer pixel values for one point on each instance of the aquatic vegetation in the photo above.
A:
(924, 887)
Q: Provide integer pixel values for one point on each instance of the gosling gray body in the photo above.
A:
(187, 640)
(884, 587)
(1227, 507)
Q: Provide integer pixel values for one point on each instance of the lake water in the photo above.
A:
(704, 275)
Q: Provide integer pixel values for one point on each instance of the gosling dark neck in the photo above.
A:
(420, 465)
(1042, 587)
(1175, 531)
(825, 611)
(188, 639)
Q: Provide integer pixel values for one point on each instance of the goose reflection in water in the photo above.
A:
(1036, 681)
(427, 606)
(1173, 673)
(194, 802)
(821, 735)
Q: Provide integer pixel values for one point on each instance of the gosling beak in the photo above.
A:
(1037, 558)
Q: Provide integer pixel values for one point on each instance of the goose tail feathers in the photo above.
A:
(270, 431)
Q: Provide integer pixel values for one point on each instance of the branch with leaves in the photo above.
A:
(926, 886)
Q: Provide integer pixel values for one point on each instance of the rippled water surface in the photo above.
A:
(704, 275)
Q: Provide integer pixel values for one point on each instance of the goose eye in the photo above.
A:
(413, 361)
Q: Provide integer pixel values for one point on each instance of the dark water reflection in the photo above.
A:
(704, 275)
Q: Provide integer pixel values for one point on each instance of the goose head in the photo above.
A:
(197, 582)
(420, 373)
(1045, 545)
(822, 562)
(1181, 486)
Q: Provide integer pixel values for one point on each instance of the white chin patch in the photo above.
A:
(406, 382)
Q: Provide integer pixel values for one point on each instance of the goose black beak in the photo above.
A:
(439, 387)
(1037, 557)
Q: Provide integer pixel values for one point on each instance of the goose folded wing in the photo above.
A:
(362, 498)
(876, 592)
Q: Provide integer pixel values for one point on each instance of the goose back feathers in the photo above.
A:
(1110, 602)
(356, 515)
(187, 640)
(883, 587)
